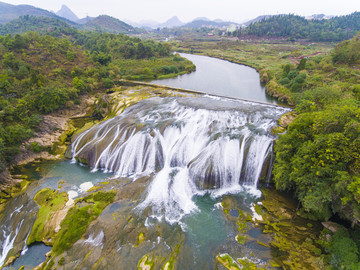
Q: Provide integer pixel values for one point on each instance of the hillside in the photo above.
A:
(104, 23)
(10, 12)
(55, 26)
(27, 23)
(296, 27)
(203, 22)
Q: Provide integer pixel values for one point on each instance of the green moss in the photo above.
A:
(145, 262)
(95, 188)
(49, 201)
(262, 243)
(169, 265)
(96, 264)
(228, 262)
(84, 127)
(67, 134)
(141, 238)
(61, 261)
(104, 183)
(241, 239)
(258, 209)
(13, 191)
(277, 130)
(274, 264)
(49, 265)
(247, 265)
(79, 217)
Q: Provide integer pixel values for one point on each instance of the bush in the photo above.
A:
(108, 83)
(49, 99)
(343, 251)
(35, 147)
(169, 69)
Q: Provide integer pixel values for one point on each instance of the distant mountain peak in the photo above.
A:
(201, 19)
(106, 23)
(66, 13)
(172, 22)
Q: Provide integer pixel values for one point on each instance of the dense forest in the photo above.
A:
(102, 24)
(295, 27)
(318, 157)
(42, 73)
(28, 23)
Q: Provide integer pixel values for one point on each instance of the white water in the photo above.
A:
(9, 239)
(195, 148)
(97, 240)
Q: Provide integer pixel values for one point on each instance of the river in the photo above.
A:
(186, 171)
(221, 78)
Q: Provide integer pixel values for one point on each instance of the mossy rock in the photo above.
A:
(141, 238)
(228, 262)
(277, 130)
(247, 265)
(79, 218)
(13, 191)
(286, 119)
(49, 201)
(145, 263)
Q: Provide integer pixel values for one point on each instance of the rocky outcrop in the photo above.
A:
(286, 119)
(50, 133)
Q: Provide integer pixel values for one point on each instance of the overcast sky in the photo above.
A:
(187, 10)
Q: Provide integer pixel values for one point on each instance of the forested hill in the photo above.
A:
(295, 27)
(41, 73)
(108, 24)
(27, 23)
(10, 12)
(104, 24)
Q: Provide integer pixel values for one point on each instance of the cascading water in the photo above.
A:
(192, 146)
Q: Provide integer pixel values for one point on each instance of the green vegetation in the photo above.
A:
(318, 156)
(28, 23)
(40, 74)
(107, 24)
(49, 201)
(295, 27)
(145, 262)
(79, 217)
(343, 251)
(12, 191)
(46, 24)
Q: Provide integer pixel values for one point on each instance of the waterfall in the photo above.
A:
(9, 239)
(192, 146)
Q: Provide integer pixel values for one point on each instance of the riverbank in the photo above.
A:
(267, 58)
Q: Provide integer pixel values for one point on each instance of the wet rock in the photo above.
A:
(10, 260)
(331, 226)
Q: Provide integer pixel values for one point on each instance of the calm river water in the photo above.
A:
(221, 78)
